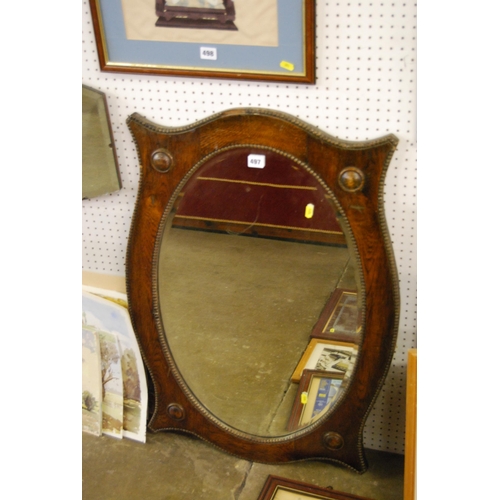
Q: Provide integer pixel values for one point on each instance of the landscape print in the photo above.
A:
(132, 403)
(123, 378)
(91, 383)
(112, 385)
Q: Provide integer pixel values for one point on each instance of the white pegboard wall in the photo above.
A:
(366, 88)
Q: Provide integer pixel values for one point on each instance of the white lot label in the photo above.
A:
(208, 53)
(256, 161)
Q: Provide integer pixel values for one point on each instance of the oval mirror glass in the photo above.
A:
(258, 291)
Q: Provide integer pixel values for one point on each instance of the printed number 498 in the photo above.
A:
(208, 53)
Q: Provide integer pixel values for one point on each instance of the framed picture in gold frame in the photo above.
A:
(328, 356)
(280, 488)
(265, 40)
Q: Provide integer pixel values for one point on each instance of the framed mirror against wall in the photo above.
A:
(262, 285)
(100, 173)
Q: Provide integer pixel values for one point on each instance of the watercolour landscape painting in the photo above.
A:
(91, 383)
(112, 385)
(121, 375)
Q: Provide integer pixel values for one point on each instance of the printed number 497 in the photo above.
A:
(256, 161)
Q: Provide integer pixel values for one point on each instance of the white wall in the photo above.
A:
(366, 87)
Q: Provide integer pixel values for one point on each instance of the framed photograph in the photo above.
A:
(235, 39)
(341, 317)
(280, 488)
(328, 356)
(317, 392)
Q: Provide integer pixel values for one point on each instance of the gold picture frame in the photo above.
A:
(326, 355)
(280, 488)
(130, 40)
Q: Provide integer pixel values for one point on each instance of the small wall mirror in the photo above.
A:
(100, 174)
(261, 283)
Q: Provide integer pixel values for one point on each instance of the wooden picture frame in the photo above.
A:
(340, 318)
(318, 348)
(276, 41)
(321, 390)
(410, 472)
(280, 488)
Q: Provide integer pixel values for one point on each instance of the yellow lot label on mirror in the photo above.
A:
(309, 211)
(256, 161)
(287, 65)
(303, 398)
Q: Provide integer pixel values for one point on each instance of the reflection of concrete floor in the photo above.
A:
(238, 312)
(177, 467)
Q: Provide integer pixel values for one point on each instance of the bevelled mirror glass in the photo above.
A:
(248, 261)
(100, 174)
(261, 283)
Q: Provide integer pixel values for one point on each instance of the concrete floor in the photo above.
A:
(178, 467)
(238, 314)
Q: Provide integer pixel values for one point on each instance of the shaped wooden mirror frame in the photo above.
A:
(354, 172)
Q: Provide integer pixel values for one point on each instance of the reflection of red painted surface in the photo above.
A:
(226, 194)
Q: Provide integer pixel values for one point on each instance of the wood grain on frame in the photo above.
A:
(411, 426)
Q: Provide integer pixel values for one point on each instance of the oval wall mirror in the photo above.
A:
(261, 281)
